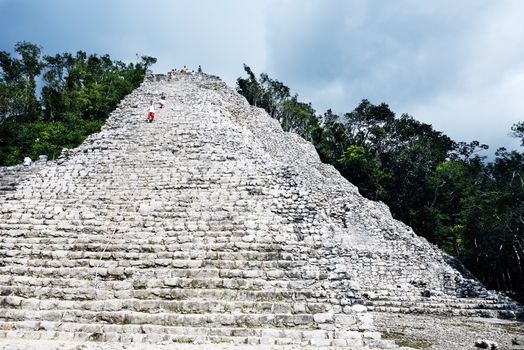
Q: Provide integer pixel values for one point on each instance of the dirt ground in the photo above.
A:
(449, 333)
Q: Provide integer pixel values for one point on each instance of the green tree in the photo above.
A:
(18, 82)
(517, 130)
(250, 88)
(274, 97)
(79, 91)
(494, 230)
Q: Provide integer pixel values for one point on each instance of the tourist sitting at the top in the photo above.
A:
(184, 70)
(199, 70)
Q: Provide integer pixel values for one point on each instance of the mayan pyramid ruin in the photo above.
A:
(212, 227)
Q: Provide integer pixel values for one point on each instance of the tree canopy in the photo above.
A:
(77, 93)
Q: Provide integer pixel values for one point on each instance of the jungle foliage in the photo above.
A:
(51, 102)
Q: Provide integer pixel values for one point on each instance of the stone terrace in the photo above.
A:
(210, 225)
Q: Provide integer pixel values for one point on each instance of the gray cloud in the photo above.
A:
(456, 65)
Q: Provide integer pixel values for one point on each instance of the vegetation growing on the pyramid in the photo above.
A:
(471, 208)
(51, 102)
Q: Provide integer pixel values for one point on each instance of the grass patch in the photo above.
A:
(183, 340)
(467, 326)
(7, 327)
(415, 343)
(402, 339)
(212, 86)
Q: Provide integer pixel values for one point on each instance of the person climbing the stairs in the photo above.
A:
(151, 113)
(162, 100)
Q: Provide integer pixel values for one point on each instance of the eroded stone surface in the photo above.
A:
(210, 225)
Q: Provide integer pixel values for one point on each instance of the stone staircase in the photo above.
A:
(210, 225)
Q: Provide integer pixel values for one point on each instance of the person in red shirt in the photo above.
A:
(151, 113)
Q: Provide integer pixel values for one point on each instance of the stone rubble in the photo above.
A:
(441, 332)
(486, 344)
(210, 225)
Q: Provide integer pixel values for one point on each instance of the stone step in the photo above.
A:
(204, 258)
(240, 249)
(109, 270)
(97, 252)
(300, 321)
(480, 305)
(177, 173)
(145, 247)
(175, 277)
(89, 289)
(172, 232)
(122, 274)
(80, 290)
(154, 334)
(214, 215)
(214, 176)
(188, 305)
(193, 303)
(148, 260)
(467, 302)
(451, 310)
(175, 259)
(454, 307)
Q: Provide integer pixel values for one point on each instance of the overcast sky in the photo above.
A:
(458, 65)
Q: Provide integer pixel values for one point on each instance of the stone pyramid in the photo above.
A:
(210, 226)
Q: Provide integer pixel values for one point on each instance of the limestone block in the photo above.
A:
(316, 334)
(371, 335)
(267, 341)
(271, 333)
(323, 317)
(358, 308)
(320, 342)
(344, 319)
(348, 335)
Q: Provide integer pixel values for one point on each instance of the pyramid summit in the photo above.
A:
(211, 226)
